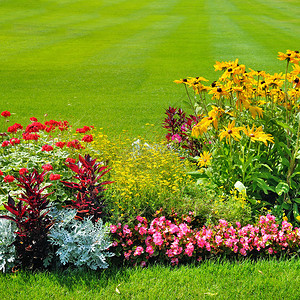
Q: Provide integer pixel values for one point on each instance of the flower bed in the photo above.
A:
(71, 197)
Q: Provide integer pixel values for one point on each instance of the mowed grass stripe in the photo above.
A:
(242, 32)
(112, 63)
(269, 22)
(102, 33)
(276, 9)
(229, 39)
(111, 71)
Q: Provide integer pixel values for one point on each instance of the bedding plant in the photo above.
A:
(77, 198)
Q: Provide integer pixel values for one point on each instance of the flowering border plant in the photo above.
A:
(249, 132)
(178, 241)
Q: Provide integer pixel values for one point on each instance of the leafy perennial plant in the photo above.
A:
(248, 129)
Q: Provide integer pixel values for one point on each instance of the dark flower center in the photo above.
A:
(219, 90)
(229, 131)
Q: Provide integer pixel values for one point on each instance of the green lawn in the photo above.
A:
(209, 280)
(112, 63)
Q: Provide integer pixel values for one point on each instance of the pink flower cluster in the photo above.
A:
(176, 242)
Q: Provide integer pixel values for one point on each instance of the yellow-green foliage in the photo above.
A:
(147, 176)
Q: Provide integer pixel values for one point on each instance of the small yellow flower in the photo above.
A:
(204, 159)
(298, 218)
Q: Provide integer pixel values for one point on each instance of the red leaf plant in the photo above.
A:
(30, 214)
(90, 192)
(179, 127)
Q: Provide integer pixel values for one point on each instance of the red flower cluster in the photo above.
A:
(33, 119)
(1, 173)
(5, 144)
(6, 114)
(54, 176)
(47, 148)
(14, 141)
(60, 144)
(70, 160)
(47, 167)
(9, 178)
(35, 127)
(87, 138)
(83, 130)
(23, 171)
(75, 144)
(30, 136)
(14, 128)
(52, 125)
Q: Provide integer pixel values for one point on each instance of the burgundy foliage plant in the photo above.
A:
(179, 128)
(30, 213)
(89, 190)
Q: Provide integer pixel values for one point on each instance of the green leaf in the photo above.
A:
(297, 200)
(263, 185)
(285, 162)
(197, 174)
(295, 210)
(282, 187)
(286, 206)
(285, 126)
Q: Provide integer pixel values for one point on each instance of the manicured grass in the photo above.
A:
(112, 63)
(209, 280)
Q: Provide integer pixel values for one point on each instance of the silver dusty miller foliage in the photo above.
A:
(81, 243)
(7, 251)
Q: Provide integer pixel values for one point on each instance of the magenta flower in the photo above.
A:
(113, 228)
(176, 138)
(138, 251)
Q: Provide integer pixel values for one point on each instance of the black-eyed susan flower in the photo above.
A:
(292, 56)
(204, 159)
(296, 70)
(231, 132)
(218, 91)
(185, 81)
(257, 134)
(201, 127)
(256, 111)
